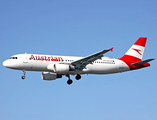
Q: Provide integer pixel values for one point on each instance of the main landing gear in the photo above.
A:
(24, 72)
(69, 82)
(78, 76)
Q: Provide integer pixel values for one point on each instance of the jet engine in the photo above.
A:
(50, 76)
(61, 68)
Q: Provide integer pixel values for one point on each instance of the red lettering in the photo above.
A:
(42, 58)
(49, 58)
(55, 59)
(38, 58)
(45, 58)
(32, 57)
(60, 59)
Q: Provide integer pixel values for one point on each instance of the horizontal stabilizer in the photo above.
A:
(142, 62)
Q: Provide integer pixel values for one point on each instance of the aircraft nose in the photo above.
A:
(5, 63)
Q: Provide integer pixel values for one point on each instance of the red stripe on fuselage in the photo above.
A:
(130, 59)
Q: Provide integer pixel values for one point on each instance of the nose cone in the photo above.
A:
(5, 63)
(10, 64)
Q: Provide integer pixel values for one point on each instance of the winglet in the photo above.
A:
(111, 49)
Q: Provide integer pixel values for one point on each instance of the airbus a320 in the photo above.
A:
(54, 66)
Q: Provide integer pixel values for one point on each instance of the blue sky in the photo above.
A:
(78, 28)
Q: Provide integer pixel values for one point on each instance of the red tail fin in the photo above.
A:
(135, 53)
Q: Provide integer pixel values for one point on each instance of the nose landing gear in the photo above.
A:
(24, 72)
(23, 77)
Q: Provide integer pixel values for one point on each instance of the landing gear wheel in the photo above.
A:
(78, 77)
(23, 77)
(69, 82)
(24, 72)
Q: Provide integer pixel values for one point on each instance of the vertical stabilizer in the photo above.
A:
(135, 53)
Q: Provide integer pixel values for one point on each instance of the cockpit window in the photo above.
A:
(13, 58)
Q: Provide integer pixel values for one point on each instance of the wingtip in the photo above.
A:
(152, 59)
(111, 49)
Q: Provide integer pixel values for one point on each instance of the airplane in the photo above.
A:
(56, 66)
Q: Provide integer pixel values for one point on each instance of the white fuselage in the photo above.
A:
(36, 62)
(54, 67)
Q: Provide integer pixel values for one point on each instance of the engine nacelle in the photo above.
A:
(61, 68)
(50, 76)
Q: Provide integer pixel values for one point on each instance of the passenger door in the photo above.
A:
(25, 58)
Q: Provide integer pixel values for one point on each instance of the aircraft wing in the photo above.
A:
(81, 63)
